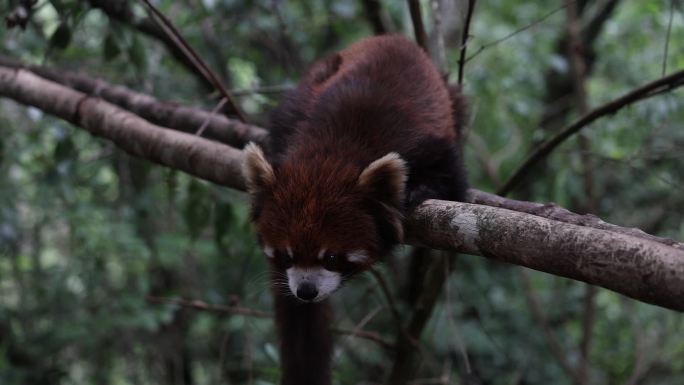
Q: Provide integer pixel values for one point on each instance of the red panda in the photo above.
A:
(369, 133)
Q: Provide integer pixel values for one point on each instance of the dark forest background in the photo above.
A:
(93, 241)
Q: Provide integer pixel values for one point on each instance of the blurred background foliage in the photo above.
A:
(88, 233)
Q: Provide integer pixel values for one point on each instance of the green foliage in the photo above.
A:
(88, 233)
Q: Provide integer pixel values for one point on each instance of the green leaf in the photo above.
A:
(110, 47)
(224, 218)
(136, 52)
(64, 150)
(197, 210)
(61, 38)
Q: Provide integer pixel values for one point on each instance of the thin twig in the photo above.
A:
(370, 336)
(667, 38)
(450, 316)
(465, 36)
(648, 90)
(391, 302)
(192, 55)
(418, 26)
(439, 55)
(213, 112)
(236, 310)
(517, 31)
(576, 52)
(556, 347)
(276, 89)
(200, 305)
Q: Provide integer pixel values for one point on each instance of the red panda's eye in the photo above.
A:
(283, 259)
(331, 261)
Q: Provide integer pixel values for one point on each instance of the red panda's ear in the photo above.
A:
(385, 179)
(258, 173)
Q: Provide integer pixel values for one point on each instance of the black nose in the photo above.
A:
(307, 291)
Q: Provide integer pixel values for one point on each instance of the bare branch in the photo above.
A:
(243, 311)
(168, 114)
(667, 37)
(120, 11)
(204, 158)
(408, 345)
(391, 302)
(576, 52)
(464, 40)
(175, 36)
(277, 89)
(648, 271)
(555, 346)
(557, 213)
(200, 305)
(512, 34)
(439, 49)
(418, 26)
(646, 91)
(371, 336)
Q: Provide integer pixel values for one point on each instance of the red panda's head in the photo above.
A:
(322, 221)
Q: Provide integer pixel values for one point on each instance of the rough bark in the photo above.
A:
(632, 264)
(187, 119)
(201, 157)
(560, 214)
(645, 270)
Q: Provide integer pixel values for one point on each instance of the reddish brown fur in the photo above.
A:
(378, 96)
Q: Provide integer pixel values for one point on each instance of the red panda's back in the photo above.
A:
(393, 82)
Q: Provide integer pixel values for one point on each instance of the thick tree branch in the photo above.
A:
(645, 270)
(201, 157)
(646, 91)
(636, 266)
(557, 213)
(168, 114)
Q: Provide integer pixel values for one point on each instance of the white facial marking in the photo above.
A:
(268, 250)
(321, 254)
(358, 256)
(326, 282)
(289, 252)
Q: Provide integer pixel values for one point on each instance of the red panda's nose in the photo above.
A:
(307, 291)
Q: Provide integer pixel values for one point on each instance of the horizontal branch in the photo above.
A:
(243, 311)
(173, 115)
(649, 269)
(557, 213)
(200, 305)
(642, 269)
(198, 156)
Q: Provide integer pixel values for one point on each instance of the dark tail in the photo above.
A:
(306, 341)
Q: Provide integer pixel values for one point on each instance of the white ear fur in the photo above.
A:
(257, 171)
(386, 176)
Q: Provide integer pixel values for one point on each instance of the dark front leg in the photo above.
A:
(305, 340)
